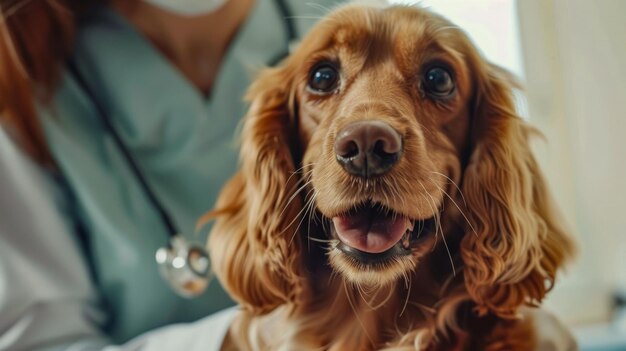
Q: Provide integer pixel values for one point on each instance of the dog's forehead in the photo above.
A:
(410, 28)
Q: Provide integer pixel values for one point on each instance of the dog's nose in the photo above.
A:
(368, 148)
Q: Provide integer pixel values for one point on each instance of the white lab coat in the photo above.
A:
(47, 301)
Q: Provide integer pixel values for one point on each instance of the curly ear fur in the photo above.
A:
(255, 252)
(519, 242)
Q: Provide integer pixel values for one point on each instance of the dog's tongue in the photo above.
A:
(371, 231)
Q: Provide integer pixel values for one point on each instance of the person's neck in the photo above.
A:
(195, 45)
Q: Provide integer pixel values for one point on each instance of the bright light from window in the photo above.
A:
(492, 25)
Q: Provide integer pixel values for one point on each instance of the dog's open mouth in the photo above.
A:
(372, 233)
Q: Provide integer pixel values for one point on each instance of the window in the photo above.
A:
(491, 24)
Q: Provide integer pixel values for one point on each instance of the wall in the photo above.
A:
(575, 64)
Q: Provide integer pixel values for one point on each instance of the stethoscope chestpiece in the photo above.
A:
(185, 267)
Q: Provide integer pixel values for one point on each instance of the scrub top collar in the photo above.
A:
(151, 82)
(248, 48)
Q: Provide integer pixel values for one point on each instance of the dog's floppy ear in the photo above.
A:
(254, 248)
(518, 242)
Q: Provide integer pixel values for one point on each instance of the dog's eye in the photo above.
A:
(438, 82)
(324, 78)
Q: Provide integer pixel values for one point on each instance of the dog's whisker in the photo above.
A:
(380, 304)
(356, 314)
(298, 214)
(301, 168)
(443, 237)
(456, 205)
(455, 185)
(302, 215)
(310, 215)
(322, 8)
(408, 292)
(396, 192)
(357, 287)
(331, 278)
(312, 17)
(384, 302)
(370, 303)
(433, 208)
(325, 241)
(293, 196)
(299, 172)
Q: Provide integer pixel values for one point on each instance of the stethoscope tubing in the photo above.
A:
(168, 223)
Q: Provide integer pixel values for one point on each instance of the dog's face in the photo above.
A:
(384, 121)
(383, 132)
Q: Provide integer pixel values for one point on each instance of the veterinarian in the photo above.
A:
(118, 132)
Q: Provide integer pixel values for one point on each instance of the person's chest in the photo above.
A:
(184, 144)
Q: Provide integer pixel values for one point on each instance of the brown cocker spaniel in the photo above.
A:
(387, 196)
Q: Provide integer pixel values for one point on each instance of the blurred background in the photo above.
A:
(571, 57)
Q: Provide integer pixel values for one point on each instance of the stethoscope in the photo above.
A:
(184, 265)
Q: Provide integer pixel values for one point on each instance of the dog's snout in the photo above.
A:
(368, 148)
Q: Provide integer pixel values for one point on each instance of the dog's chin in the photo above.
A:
(375, 245)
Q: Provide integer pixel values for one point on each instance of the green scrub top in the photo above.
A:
(183, 142)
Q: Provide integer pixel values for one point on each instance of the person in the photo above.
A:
(78, 231)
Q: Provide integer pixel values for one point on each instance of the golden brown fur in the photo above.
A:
(466, 161)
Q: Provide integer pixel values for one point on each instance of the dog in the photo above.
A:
(387, 197)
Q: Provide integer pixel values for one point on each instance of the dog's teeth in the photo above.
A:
(406, 239)
(411, 225)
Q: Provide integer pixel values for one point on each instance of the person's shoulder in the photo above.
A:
(14, 163)
(23, 177)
